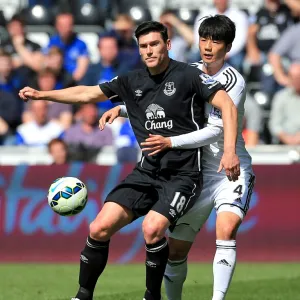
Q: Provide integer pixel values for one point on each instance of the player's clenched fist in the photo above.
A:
(28, 93)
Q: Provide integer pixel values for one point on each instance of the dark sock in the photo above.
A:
(156, 261)
(93, 260)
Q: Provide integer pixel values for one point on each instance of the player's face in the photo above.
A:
(153, 49)
(212, 51)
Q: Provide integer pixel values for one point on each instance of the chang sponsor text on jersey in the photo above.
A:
(155, 116)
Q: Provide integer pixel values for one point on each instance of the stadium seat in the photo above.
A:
(38, 15)
(88, 14)
(140, 14)
(186, 15)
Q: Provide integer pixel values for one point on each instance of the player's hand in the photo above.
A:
(109, 116)
(231, 164)
(156, 144)
(28, 93)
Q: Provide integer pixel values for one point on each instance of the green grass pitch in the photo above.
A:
(126, 282)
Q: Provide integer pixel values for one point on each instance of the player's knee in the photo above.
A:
(227, 232)
(152, 232)
(176, 254)
(100, 231)
(227, 225)
(178, 249)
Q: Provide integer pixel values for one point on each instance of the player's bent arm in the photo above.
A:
(223, 102)
(74, 95)
(208, 135)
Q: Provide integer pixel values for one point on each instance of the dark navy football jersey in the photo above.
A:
(168, 104)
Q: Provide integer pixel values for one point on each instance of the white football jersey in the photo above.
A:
(234, 85)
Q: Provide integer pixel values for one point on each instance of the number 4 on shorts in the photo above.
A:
(238, 190)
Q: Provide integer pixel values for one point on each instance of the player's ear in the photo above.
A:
(228, 47)
(168, 44)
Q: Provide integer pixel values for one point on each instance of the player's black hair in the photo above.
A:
(152, 26)
(218, 27)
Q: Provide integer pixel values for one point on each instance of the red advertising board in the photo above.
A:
(31, 232)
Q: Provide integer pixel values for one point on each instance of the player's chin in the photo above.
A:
(151, 63)
(208, 60)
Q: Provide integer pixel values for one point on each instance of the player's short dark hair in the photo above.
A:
(152, 26)
(218, 27)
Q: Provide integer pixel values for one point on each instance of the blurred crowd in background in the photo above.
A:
(57, 44)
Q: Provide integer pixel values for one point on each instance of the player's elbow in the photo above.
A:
(90, 94)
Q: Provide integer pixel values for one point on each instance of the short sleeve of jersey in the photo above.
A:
(115, 89)
(82, 47)
(204, 85)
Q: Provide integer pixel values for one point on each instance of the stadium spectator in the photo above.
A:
(58, 150)
(126, 143)
(84, 138)
(58, 112)
(236, 55)
(284, 120)
(23, 51)
(252, 122)
(39, 131)
(123, 27)
(76, 59)
(110, 66)
(10, 79)
(180, 34)
(54, 61)
(9, 116)
(294, 6)
(288, 46)
(265, 29)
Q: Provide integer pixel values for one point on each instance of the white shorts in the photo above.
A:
(221, 194)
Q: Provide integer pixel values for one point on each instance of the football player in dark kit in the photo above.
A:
(166, 98)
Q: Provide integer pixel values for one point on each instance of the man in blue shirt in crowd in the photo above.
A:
(109, 66)
(76, 58)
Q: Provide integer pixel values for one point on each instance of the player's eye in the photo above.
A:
(154, 44)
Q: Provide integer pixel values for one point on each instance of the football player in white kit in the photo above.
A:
(229, 198)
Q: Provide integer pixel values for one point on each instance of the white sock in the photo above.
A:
(223, 267)
(175, 275)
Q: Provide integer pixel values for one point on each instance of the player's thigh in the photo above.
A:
(235, 196)
(136, 193)
(177, 194)
(188, 226)
(110, 219)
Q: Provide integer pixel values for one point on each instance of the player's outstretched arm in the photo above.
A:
(77, 94)
(230, 161)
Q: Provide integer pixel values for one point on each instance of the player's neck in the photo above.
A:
(213, 68)
(161, 68)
